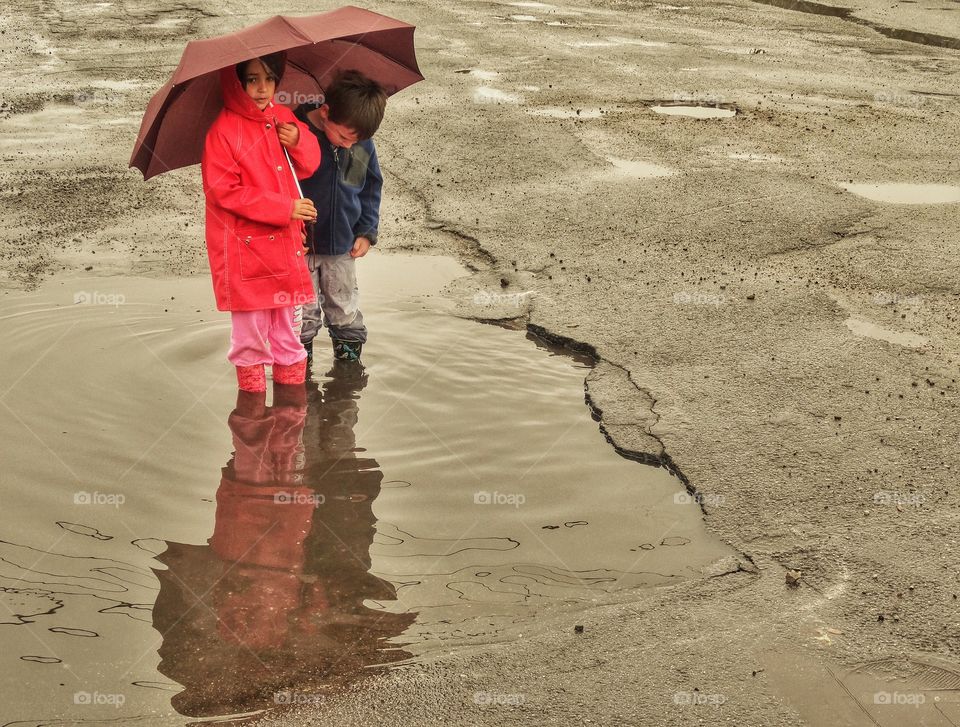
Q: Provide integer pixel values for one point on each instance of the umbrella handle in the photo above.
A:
(308, 226)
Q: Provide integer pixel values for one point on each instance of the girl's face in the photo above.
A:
(259, 83)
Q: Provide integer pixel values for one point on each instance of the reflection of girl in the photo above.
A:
(281, 597)
(254, 221)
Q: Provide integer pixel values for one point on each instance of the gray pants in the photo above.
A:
(338, 300)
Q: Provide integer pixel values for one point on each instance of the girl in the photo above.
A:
(254, 221)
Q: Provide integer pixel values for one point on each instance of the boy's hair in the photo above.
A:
(356, 102)
(276, 63)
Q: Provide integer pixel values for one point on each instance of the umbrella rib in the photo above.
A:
(305, 71)
(295, 29)
(380, 53)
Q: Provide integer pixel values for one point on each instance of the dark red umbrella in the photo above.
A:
(177, 118)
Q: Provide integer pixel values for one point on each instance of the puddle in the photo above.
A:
(524, 18)
(640, 169)
(867, 329)
(694, 110)
(379, 515)
(897, 193)
(911, 36)
(533, 5)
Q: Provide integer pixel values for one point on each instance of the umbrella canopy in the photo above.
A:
(318, 46)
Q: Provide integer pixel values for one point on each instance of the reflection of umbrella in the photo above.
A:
(179, 114)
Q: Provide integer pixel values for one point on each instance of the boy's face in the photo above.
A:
(337, 134)
(259, 83)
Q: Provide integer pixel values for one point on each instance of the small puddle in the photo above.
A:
(898, 193)
(172, 548)
(696, 111)
(640, 169)
(868, 329)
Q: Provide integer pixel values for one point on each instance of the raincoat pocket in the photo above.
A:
(262, 256)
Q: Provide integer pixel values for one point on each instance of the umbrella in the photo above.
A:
(177, 118)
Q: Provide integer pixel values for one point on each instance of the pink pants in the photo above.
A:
(269, 336)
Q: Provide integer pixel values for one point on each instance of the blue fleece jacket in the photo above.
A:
(346, 191)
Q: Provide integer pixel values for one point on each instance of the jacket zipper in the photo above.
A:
(333, 204)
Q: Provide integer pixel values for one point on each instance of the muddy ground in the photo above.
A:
(749, 314)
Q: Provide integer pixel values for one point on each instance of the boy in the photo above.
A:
(346, 191)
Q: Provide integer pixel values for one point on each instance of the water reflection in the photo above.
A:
(282, 598)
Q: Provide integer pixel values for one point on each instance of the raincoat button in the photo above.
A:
(299, 253)
(268, 126)
(279, 168)
(271, 237)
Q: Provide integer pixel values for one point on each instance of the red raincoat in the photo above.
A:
(254, 246)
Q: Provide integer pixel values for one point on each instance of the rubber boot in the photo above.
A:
(293, 374)
(252, 378)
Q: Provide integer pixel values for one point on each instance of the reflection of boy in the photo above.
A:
(346, 192)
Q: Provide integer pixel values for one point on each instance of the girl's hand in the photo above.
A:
(289, 134)
(303, 209)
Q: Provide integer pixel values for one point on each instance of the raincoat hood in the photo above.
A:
(236, 99)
